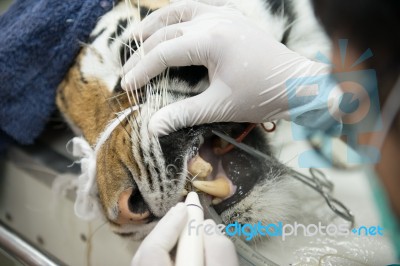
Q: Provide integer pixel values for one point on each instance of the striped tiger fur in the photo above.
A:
(140, 177)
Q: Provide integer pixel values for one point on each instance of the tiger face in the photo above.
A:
(140, 177)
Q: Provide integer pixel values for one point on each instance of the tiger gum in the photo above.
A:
(199, 168)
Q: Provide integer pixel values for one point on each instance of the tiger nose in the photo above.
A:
(126, 215)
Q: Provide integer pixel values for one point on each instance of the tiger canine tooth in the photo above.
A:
(220, 187)
(199, 168)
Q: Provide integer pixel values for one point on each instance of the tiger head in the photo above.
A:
(139, 176)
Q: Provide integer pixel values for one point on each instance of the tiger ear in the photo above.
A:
(83, 102)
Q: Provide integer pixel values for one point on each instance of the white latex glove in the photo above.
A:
(247, 67)
(218, 249)
(155, 248)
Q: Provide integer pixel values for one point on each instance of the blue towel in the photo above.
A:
(39, 40)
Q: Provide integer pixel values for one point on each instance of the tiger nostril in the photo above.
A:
(136, 203)
(132, 208)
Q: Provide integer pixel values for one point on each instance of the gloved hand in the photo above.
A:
(218, 249)
(155, 248)
(247, 67)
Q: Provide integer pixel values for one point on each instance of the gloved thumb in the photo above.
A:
(207, 107)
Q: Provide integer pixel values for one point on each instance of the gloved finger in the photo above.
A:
(207, 107)
(166, 232)
(149, 256)
(162, 35)
(218, 249)
(155, 248)
(177, 12)
(183, 51)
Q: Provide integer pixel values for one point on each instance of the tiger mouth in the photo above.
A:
(226, 177)
(207, 173)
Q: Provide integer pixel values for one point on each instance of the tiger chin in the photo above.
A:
(139, 176)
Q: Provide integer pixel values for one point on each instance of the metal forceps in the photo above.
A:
(317, 181)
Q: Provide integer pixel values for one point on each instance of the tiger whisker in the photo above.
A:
(116, 96)
(132, 122)
(109, 100)
(136, 102)
(90, 237)
(288, 26)
(188, 176)
(148, 11)
(126, 131)
(122, 78)
(131, 93)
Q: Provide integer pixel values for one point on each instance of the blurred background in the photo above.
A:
(4, 258)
